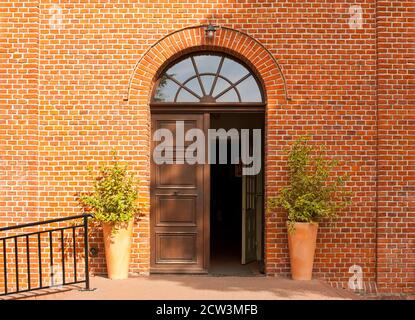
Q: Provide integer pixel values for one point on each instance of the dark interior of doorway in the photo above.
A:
(226, 206)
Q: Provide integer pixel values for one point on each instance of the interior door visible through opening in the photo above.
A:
(252, 199)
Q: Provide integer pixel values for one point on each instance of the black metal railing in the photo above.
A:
(25, 250)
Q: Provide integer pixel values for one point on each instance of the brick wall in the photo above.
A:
(396, 190)
(67, 68)
(19, 57)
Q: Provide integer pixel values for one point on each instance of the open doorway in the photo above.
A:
(187, 93)
(236, 207)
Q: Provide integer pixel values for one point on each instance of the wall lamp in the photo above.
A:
(210, 31)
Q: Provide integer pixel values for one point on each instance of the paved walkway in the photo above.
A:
(188, 287)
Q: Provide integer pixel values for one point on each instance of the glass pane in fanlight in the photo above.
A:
(207, 82)
(166, 91)
(220, 86)
(207, 63)
(182, 71)
(233, 70)
(194, 86)
(229, 96)
(249, 90)
(185, 96)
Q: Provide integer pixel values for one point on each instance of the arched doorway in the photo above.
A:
(204, 204)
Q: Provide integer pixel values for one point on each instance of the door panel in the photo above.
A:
(176, 248)
(178, 210)
(178, 206)
(176, 176)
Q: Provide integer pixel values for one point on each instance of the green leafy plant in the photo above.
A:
(114, 198)
(313, 192)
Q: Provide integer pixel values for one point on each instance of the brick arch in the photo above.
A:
(153, 61)
(192, 39)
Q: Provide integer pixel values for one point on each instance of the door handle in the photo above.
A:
(174, 193)
(178, 193)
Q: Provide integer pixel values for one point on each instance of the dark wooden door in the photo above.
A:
(179, 212)
(249, 214)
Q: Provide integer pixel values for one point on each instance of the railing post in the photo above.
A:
(5, 265)
(86, 252)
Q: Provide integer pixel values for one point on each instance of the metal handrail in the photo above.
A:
(83, 225)
(38, 223)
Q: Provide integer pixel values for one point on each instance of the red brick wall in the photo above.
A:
(63, 108)
(19, 57)
(396, 190)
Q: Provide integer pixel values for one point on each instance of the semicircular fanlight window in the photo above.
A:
(207, 78)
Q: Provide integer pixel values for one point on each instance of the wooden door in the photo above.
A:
(179, 222)
(249, 212)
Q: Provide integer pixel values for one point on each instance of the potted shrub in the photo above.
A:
(114, 203)
(313, 193)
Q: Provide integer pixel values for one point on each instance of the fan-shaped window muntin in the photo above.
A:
(223, 80)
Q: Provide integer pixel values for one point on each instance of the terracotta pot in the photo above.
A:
(302, 245)
(117, 249)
